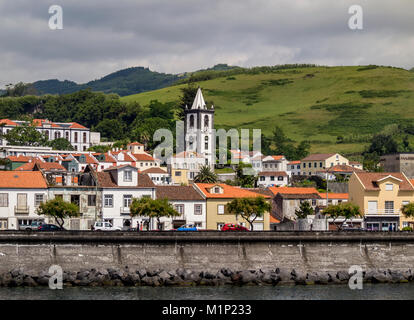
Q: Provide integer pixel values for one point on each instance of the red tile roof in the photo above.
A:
(340, 196)
(155, 170)
(142, 157)
(48, 166)
(22, 180)
(19, 158)
(292, 190)
(273, 173)
(8, 122)
(370, 180)
(178, 193)
(105, 180)
(75, 125)
(294, 162)
(228, 191)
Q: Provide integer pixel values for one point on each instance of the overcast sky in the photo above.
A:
(103, 36)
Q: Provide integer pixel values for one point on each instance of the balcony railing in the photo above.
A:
(21, 210)
(125, 211)
(383, 212)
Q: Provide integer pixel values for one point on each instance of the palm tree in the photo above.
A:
(206, 175)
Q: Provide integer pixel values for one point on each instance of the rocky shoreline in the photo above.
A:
(182, 277)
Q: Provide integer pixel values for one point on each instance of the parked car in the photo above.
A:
(188, 227)
(105, 226)
(49, 227)
(233, 227)
(33, 226)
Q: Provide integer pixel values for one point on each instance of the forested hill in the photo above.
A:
(123, 82)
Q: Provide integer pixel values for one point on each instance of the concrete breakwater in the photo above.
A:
(204, 258)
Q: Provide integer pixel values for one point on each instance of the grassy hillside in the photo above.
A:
(122, 82)
(317, 103)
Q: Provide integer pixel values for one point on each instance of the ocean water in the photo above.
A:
(313, 292)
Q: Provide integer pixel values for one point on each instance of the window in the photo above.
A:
(389, 206)
(320, 165)
(127, 200)
(315, 165)
(38, 199)
(84, 137)
(280, 178)
(272, 178)
(128, 175)
(108, 201)
(91, 200)
(304, 165)
(179, 208)
(388, 187)
(67, 135)
(76, 137)
(198, 209)
(262, 178)
(206, 122)
(217, 190)
(313, 202)
(206, 142)
(4, 199)
(191, 121)
(220, 209)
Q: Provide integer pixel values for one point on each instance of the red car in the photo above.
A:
(233, 227)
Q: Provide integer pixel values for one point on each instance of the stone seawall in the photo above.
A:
(204, 258)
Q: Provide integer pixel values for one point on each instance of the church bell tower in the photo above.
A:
(199, 129)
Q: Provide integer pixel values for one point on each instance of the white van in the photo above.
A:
(105, 226)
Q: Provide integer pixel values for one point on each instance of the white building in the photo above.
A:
(78, 135)
(119, 186)
(272, 179)
(185, 200)
(293, 168)
(21, 192)
(189, 161)
(199, 130)
(159, 176)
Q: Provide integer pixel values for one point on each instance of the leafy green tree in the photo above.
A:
(286, 146)
(61, 144)
(19, 89)
(408, 210)
(187, 98)
(206, 175)
(58, 209)
(305, 209)
(245, 175)
(152, 208)
(383, 144)
(161, 110)
(145, 131)
(25, 135)
(249, 208)
(344, 210)
(113, 129)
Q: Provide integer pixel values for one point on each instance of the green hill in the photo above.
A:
(314, 103)
(122, 82)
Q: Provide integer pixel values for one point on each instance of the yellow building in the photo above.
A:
(179, 176)
(218, 195)
(315, 163)
(380, 197)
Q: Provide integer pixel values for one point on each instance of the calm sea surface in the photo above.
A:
(316, 292)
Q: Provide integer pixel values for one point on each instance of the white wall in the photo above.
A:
(8, 212)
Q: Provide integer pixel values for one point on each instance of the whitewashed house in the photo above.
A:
(187, 201)
(272, 179)
(21, 192)
(119, 186)
(158, 175)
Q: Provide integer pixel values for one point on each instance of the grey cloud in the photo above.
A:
(102, 36)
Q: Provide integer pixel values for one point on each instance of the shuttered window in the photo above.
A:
(4, 199)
